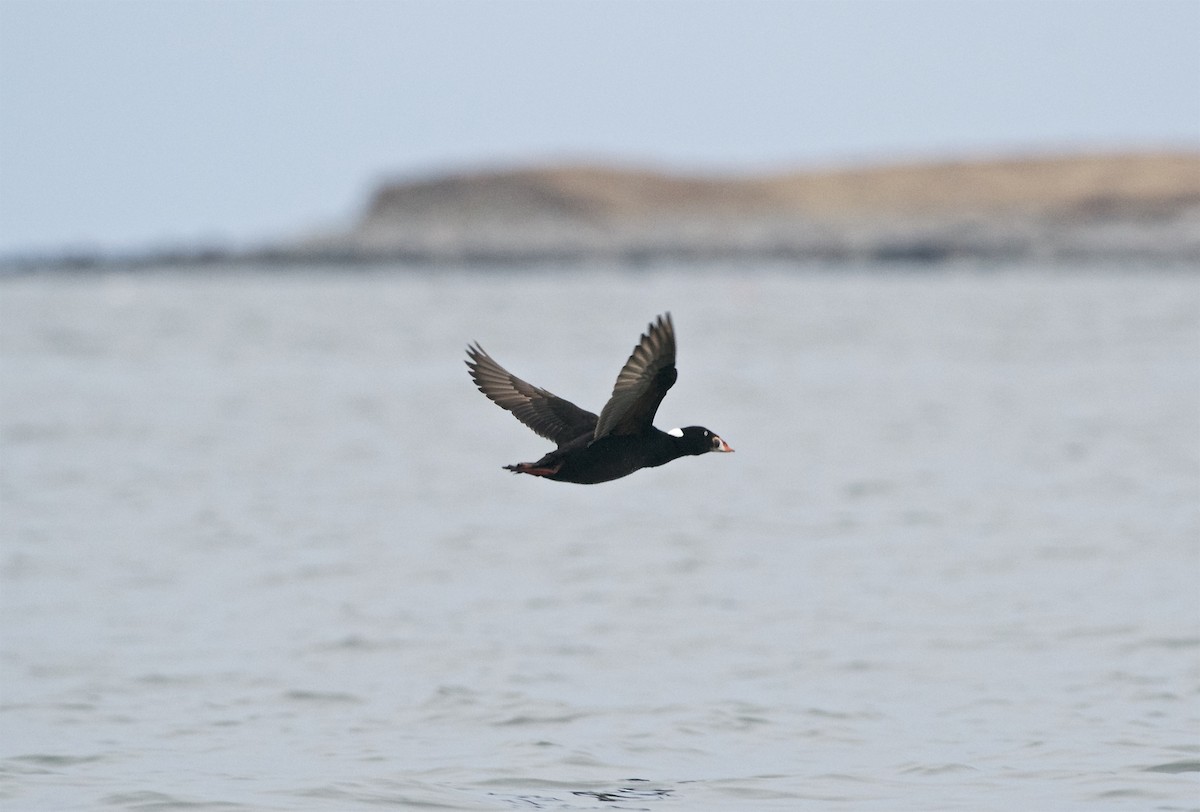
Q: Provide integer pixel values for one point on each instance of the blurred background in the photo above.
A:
(135, 125)
(933, 272)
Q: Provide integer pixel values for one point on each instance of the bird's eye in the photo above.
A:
(716, 442)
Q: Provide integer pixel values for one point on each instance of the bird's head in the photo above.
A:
(698, 440)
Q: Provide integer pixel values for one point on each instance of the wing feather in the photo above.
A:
(550, 416)
(642, 383)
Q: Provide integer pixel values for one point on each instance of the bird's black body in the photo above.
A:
(622, 439)
(589, 461)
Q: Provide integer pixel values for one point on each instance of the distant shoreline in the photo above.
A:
(1135, 207)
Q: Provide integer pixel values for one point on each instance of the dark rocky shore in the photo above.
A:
(1112, 208)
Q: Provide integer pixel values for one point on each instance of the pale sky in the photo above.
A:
(130, 124)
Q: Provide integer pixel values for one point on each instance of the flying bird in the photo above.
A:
(623, 438)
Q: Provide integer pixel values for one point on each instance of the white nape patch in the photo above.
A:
(676, 432)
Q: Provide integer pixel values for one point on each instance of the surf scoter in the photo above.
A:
(622, 439)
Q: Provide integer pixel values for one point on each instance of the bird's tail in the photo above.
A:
(533, 469)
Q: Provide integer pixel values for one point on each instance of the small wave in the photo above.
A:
(147, 801)
(321, 696)
(938, 769)
(410, 796)
(520, 719)
(54, 759)
(1188, 766)
(632, 791)
(626, 793)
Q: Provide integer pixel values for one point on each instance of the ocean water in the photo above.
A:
(258, 552)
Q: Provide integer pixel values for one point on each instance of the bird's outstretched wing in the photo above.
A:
(642, 383)
(554, 418)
